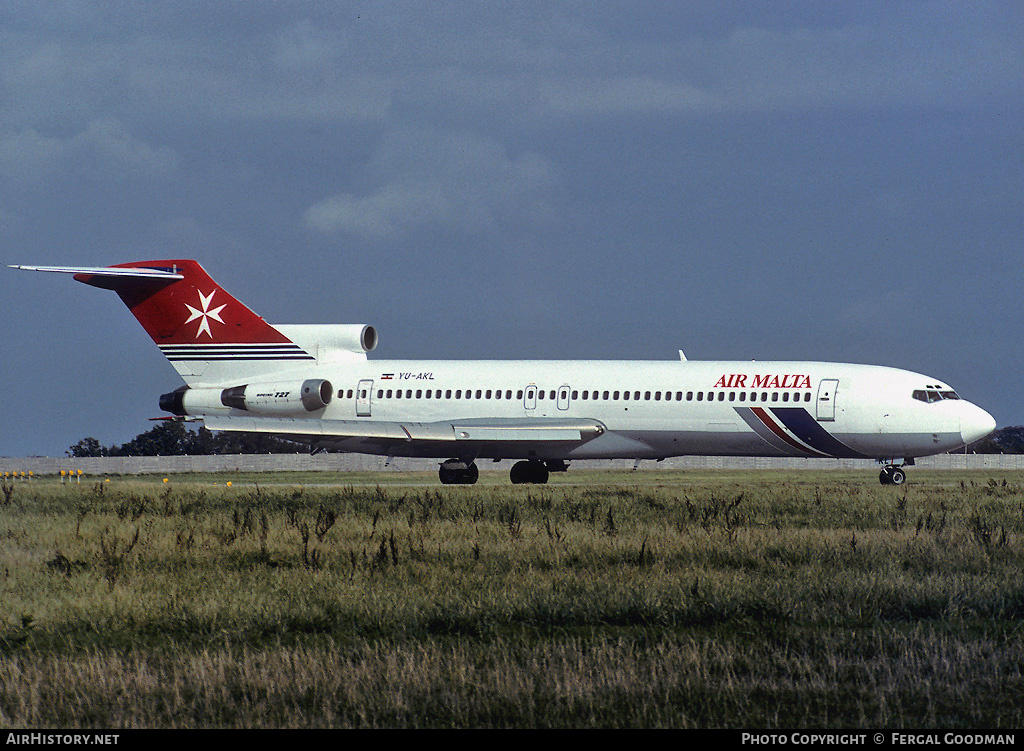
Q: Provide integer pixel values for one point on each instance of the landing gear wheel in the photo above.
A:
(892, 475)
(457, 472)
(528, 473)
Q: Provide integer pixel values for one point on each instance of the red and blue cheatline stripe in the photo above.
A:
(794, 429)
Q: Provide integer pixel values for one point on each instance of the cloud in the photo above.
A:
(105, 148)
(461, 182)
(121, 154)
(594, 95)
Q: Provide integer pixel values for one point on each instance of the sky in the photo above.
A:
(596, 180)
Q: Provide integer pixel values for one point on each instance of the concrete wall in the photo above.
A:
(359, 462)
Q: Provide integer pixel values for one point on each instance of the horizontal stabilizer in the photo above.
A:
(137, 273)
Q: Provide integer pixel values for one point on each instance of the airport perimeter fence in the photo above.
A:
(237, 463)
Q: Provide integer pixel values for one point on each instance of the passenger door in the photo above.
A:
(826, 410)
(364, 393)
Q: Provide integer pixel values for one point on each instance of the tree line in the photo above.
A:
(1004, 441)
(172, 438)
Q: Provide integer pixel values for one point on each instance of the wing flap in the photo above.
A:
(481, 431)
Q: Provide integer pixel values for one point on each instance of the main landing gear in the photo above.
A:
(531, 472)
(458, 472)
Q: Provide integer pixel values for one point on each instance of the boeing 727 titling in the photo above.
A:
(314, 384)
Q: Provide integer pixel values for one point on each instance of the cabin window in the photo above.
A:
(615, 395)
(732, 396)
(689, 396)
(519, 394)
(775, 396)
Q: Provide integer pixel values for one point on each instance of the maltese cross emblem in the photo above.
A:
(205, 314)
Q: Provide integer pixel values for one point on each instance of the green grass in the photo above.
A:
(606, 599)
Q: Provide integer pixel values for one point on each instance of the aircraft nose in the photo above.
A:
(975, 423)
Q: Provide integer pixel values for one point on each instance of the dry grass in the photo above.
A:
(723, 599)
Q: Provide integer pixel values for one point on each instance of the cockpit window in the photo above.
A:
(931, 395)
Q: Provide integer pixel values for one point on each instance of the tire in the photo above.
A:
(528, 473)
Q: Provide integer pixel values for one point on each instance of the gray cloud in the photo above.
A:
(462, 182)
(105, 148)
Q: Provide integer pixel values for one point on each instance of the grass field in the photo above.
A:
(606, 599)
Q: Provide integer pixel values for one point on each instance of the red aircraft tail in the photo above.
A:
(181, 305)
(208, 335)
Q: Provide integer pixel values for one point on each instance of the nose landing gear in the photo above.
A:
(892, 476)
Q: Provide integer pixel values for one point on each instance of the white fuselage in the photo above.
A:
(648, 409)
(313, 383)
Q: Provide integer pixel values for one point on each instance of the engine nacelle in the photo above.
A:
(283, 399)
(333, 341)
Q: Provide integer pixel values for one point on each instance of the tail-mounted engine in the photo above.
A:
(282, 399)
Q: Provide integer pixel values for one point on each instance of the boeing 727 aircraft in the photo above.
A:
(314, 384)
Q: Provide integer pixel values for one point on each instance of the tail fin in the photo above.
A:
(206, 334)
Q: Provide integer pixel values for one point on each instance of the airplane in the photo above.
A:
(314, 384)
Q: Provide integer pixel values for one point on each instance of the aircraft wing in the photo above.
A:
(451, 433)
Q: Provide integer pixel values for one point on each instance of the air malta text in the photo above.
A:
(739, 381)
